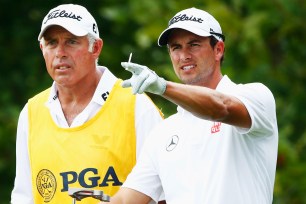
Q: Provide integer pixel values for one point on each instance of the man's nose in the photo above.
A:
(60, 51)
(185, 54)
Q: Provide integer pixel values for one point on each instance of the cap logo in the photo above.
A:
(94, 28)
(184, 17)
(62, 14)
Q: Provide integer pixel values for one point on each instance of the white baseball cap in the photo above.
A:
(193, 20)
(74, 18)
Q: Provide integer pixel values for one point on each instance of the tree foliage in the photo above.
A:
(264, 42)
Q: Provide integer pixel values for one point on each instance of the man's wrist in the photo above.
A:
(163, 85)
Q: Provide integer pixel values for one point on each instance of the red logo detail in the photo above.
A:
(216, 127)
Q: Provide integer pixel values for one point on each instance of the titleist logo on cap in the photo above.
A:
(62, 14)
(184, 17)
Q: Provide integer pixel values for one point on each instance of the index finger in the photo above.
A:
(132, 67)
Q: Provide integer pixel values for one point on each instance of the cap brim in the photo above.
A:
(163, 38)
(75, 30)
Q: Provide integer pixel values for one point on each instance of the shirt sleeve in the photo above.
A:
(147, 117)
(260, 104)
(22, 191)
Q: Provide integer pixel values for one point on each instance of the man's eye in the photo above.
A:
(194, 45)
(51, 42)
(175, 48)
(72, 42)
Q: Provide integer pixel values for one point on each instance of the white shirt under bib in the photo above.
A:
(199, 161)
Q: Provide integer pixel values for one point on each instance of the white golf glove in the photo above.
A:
(143, 79)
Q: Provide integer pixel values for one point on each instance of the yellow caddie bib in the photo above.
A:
(97, 155)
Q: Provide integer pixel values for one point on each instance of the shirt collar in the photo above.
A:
(105, 86)
(223, 83)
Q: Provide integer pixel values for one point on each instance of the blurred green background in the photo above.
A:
(265, 42)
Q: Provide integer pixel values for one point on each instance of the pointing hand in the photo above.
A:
(143, 79)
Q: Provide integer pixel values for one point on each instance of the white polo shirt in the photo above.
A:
(146, 117)
(200, 161)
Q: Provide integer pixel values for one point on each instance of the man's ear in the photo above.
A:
(97, 47)
(219, 50)
(41, 46)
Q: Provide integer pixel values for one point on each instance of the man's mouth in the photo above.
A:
(186, 68)
(62, 67)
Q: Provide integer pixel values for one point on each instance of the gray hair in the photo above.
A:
(91, 41)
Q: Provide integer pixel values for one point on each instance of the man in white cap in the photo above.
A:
(85, 131)
(221, 145)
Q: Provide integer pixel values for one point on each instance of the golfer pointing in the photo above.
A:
(221, 145)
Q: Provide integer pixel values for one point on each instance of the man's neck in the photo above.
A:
(74, 100)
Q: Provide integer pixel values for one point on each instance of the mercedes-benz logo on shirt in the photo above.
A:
(172, 143)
